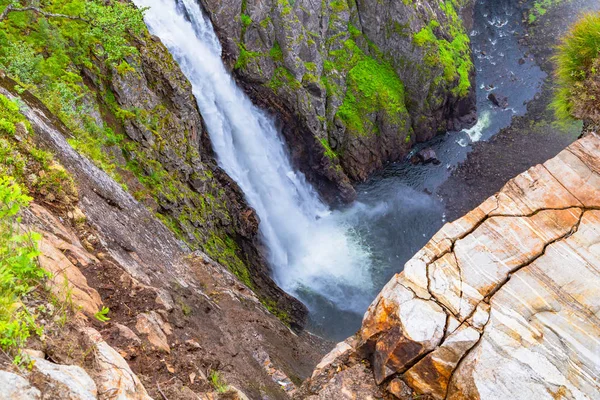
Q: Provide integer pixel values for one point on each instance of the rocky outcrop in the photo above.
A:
(502, 303)
(356, 84)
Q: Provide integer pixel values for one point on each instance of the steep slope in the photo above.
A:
(173, 328)
(501, 303)
(128, 107)
(356, 84)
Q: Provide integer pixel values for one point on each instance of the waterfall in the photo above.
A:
(311, 250)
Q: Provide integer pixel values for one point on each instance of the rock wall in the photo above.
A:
(355, 83)
(139, 122)
(502, 303)
(173, 329)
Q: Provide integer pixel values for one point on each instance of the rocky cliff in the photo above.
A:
(502, 303)
(129, 109)
(355, 83)
(127, 311)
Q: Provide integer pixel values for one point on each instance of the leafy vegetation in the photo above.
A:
(19, 271)
(34, 169)
(217, 381)
(578, 72)
(102, 315)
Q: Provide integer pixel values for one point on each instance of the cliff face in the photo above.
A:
(356, 83)
(501, 303)
(174, 316)
(134, 115)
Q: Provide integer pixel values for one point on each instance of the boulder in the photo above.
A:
(69, 382)
(16, 387)
(111, 372)
(498, 100)
(427, 156)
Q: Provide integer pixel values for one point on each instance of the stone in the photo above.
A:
(498, 100)
(152, 325)
(111, 372)
(67, 281)
(64, 381)
(427, 156)
(354, 383)
(16, 387)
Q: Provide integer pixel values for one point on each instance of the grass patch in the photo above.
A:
(578, 72)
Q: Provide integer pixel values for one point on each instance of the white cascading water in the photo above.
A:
(311, 250)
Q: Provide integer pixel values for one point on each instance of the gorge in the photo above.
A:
(220, 189)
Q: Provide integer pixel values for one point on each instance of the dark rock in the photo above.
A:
(521, 61)
(498, 100)
(427, 156)
(309, 38)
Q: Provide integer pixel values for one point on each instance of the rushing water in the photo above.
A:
(312, 251)
(337, 261)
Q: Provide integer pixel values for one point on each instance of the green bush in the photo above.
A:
(19, 271)
(578, 72)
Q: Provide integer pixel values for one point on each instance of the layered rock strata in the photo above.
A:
(502, 303)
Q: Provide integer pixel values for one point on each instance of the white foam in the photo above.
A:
(308, 246)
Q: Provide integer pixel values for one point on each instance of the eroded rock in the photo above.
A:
(502, 303)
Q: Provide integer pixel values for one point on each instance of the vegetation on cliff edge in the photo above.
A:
(578, 72)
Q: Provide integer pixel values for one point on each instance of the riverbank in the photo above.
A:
(530, 139)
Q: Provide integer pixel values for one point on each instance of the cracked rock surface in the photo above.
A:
(502, 303)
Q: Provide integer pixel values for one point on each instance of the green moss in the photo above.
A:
(275, 53)
(454, 54)
(272, 307)
(245, 57)
(283, 78)
(372, 85)
(332, 155)
(246, 20)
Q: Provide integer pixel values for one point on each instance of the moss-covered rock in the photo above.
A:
(364, 80)
(128, 107)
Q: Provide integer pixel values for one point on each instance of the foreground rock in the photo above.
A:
(502, 303)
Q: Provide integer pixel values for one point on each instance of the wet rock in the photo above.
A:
(427, 156)
(498, 100)
(16, 387)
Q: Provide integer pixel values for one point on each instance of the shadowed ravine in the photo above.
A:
(310, 249)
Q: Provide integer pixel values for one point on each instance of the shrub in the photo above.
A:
(19, 270)
(578, 72)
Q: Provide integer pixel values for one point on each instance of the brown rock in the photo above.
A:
(155, 329)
